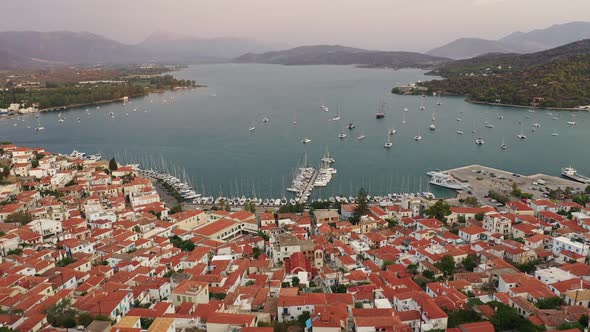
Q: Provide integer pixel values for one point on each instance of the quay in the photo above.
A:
(306, 192)
(482, 179)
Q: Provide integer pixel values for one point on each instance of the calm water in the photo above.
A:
(205, 131)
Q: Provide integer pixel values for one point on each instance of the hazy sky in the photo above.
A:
(378, 24)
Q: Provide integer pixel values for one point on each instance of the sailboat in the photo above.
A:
(554, 133)
(324, 108)
(521, 135)
(388, 144)
(418, 137)
(572, 122)
(342, 134)
(422, 107)
(404, 118)
(361, 136)
(473, 130)
(503, 145)
(432, 125)
(438, 100)
(265, 119)
(294, 118)
(39, 126)
(337, 117)
(252, 127)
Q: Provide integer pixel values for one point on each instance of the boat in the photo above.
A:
(252, 128)
(521, 135)
(342, 135)
(306, 140)
(404, 118)
(405, 109)
(417, 138)
(459, 119)
(500, 117)
(351, 126)
(392, 131)
(459, 132)
(531, 111)
(388, 144)
(432, 125)
(554, 133)
(572, 174)
(362, 136)
(422, 107)
(39, 126)
(60, 120)
(479, 141)
(294, 118)
(265, 119)
(536, 125)
(337, 117)
(379, 115)
(446, 181)
(324, 108)
(503, 145)
(489, 125)
(572, 122)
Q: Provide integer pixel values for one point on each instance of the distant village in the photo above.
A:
(90, 245)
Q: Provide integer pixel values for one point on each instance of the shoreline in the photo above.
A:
(98, 102)
(530, 107)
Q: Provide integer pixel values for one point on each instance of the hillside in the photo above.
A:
(559, 77)
(516, 42)
(341, 55)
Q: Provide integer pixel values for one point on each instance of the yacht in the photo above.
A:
(459, 132)
(324, 108)
(536, 125)
(554, 133)
(503, 145)
(252, 128)
(362, 136)
(306, 140)
(489, 125)
(572, 174)
(417, 137)
(392, 131)
(77, 154)
(351, 126)
(521, 135)
(432, 126)
(479, 141)
(445, 180)
(342, 135)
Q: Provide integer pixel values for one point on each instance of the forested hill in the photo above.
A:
(342, 55)
(504, 63)
(557, 78)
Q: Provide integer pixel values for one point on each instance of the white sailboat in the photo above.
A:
(572, 122)
(432, 125)
(503, 145)
(554, 133)
(39, 126)
(294, 118)
(337, 117)
(361, 136)
(422, 107)
(418, 137)
(324, 108)
(404, 118)
(252, 127)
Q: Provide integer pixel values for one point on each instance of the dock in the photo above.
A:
(482, 179)
(308, 188)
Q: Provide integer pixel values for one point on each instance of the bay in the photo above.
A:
(205, 131)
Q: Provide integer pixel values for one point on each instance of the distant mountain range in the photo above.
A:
(32, 48)
(517, 42)
(341, 55)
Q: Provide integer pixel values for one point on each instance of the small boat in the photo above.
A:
(392, 131)
(342, 135)
(78, 119)
(503, 145)
(554, 134)
(324, 108)
(536, 125)
(521, 135)
(571, 123)
(489, 125)
(362, 136)
(39, 128)
(432, 126)
(459, 132)
(265, 119)
(459, 119)
(405, 109)
(337, 117)
(306, 140)
(252, 128)
(500, 117)
(479, 141)
(351, 126)
(380, 115)
(417, 138)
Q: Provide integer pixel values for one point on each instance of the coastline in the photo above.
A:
(100, 102)
(524, 106)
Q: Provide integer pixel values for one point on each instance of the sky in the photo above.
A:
(413, 25)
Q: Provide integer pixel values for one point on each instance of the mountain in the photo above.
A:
(516, 42)
(464, 48)
(67, 47)
(341, 55)
(183, 48)
(33, 48)
(553, 78)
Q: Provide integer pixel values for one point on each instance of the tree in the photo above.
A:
(18, 217)
(507, 318)
(362, 207)
(587, 190)
(570, 325)
(554, 302)
(113, 164)
(440, 210)
(479, 216)
(177, 208)
(250, 206)
(470, 263)
(428, 274)
(446, 265)
(303, 318)
(458, 317)
(413, 269)
(471, 201)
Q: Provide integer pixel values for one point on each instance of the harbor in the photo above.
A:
(479, 180)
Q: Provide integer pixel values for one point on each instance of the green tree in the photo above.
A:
(479, 216)
(470, 262)
(446, 265)
(22, 218)
(458, 317)
(303, 318)
(587, 190)
(506, 318)
(554, 302)
(440, 210)
(113, 166)
(570, 325)
(362, 207)
(471, 201)
(177, 208)
(428, 274)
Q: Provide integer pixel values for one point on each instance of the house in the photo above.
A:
(561, 243)
(472, 234)
(191, 292)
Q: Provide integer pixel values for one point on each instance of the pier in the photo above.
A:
(482, 179)
(306, 192)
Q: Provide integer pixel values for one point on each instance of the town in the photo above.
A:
(90, 245)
